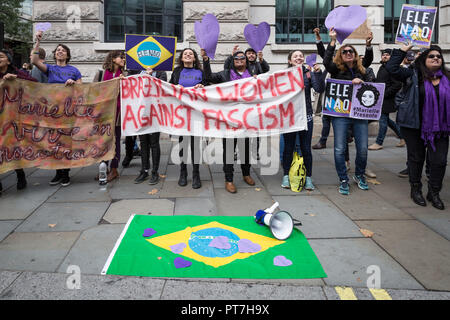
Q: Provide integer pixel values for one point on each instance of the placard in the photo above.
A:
(416, 25)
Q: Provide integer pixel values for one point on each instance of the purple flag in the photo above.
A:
(207, 34)
(345, 20)
(257, 36)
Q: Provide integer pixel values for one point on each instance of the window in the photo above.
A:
(392, 11)
(296, 20)
(163, 17)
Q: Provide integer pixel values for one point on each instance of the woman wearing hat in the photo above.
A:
(9, 72)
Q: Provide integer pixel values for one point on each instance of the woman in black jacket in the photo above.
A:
(347, 65)
(239, 70)
(424, 118)
(189, 73)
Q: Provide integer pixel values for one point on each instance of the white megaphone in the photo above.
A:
(281, 223)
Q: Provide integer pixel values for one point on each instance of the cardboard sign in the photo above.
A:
(156, 52)
(416, 25)
(361, 101)
(268, 105)
(52, 126)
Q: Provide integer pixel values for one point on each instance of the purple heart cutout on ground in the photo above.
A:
(207, 34)
(345, 20)
(181, 263)
(220, 242)
(178, 248)
(149, 232)
(247, 246)
(257, 36)
(281, 261)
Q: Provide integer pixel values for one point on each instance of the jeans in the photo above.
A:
(297, 146)
(325, 129)
(418, 153)
(360, 131)
(150, 141)
(383, 124)
(305, 146)
(228, 167)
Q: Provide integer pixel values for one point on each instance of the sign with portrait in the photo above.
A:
(358, 101)
(416, 25)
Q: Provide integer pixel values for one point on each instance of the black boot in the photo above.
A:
(433, 196)
(21, 180)
(182, 182)
(416, 194)
(196, 183)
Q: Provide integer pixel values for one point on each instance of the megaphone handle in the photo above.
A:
(272, 208)
(298, 223)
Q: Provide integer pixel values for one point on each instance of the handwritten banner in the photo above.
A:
(416, 25)
(267, 105)
(360, 101)
(51, 126)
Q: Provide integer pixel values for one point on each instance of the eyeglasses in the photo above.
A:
(348, 51)
(432, 56)
(239, 58)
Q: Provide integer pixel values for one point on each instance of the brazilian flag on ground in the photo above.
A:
(209, 247)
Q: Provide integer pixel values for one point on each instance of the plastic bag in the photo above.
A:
(297, 173)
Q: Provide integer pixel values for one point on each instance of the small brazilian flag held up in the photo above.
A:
(156, 52)
(209, 247)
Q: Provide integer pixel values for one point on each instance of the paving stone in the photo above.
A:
(6, 279)
(7, 226)
(436, 220)
(53, 286)
(92, 249)
(64, 217)
(80, 192)
(361, 205)
(239, 204)
(125, 188)
(120, 211)
(418, 295)
(37, 251)
(425, 254)
(173, 173)
(178, 290)
(171, 189)
(320, 218)
(194, 206)
(345, 261)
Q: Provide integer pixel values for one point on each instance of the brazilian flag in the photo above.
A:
(189, 238)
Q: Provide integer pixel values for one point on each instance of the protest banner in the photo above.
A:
(267, 105)
(156, 52)
(51, 126)
(416, 25)
(359, 101)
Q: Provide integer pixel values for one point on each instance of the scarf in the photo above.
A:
(436, 114)
(236, 76)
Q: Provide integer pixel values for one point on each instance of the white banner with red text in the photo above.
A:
(267, 105)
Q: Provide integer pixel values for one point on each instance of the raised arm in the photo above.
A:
(319, 43)
(368, 55)
(35, 56)
(209, 75)
(393, 65)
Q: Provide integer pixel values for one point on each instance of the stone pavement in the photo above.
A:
(46, 230)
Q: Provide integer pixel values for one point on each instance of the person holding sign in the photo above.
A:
(347, 65)
(312, 80)
(239, 70)
(188, 73)
(424, 118)
(62, 72)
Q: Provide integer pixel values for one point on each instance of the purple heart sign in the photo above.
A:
(257, 37)
(345, 20)
(311, 60)
(207, 34)
(43, 26)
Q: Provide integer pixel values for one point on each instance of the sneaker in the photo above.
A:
(308, 184)
(142, 177)
(401, 144)
(318, 145)
(344, 188)
(285, 183)
(403, 173)
(65, 180)
(154, 179)
(56, 179)
(375, 146)
(361, 181)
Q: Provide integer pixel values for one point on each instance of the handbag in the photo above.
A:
(297, 173)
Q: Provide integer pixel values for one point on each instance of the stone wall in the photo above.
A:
(80, 25)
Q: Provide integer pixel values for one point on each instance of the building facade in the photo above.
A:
(92, 28)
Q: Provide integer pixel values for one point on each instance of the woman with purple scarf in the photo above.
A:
(424, 118)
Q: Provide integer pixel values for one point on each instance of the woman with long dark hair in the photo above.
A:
(347, 65)
(189, 73)
(311, 80)
(424, 118)
(9, 72)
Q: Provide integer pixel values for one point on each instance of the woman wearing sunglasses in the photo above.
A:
(347, 65)
(424, 118)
